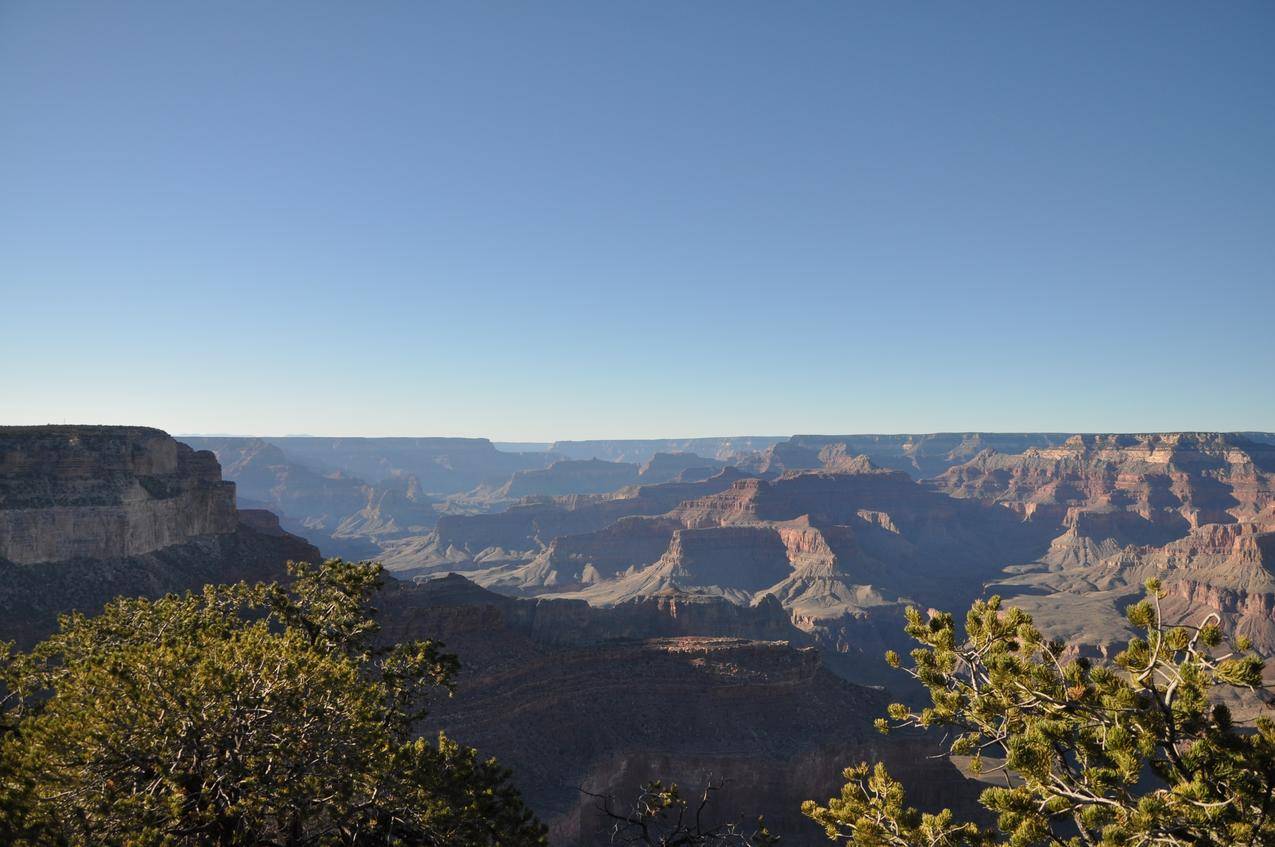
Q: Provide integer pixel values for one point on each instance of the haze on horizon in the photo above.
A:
(571, 220)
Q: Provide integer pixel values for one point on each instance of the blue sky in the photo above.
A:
(537, 221)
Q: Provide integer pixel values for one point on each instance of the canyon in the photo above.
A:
(634, 610)
(852, 528)
(580, 699)
(1068, 527)
(684, 687)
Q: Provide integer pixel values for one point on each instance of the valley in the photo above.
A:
(662, 614)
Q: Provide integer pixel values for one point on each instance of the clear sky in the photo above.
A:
(543, 220)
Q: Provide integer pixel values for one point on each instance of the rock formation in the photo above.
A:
(678, 467)
(920, 456)
(521, 532)
(675, 688)
(570, 476)
(1193, 509)
(335, 510)
(104, 492)
(591, 476)
(88, 513)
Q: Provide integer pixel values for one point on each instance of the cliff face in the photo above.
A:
(89, 513)
(105, 492)
(683, 467)
(573, 560)
(1196, 510)
(522, 532)
(1173, 481)
(574, 622)
(570, 476)
(341, 513)
(920, 456)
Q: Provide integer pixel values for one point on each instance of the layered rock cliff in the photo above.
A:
(570, 476)
(105, 492)
(919, 455)
(523, 531)
(341, 513)
(1196, 510)
(88, 513)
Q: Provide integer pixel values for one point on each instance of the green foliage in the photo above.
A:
(242, 715)
(1135, 752)
(871, 807)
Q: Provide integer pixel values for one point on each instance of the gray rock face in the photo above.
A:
(72, 492)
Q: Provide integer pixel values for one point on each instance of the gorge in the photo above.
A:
(656, 614)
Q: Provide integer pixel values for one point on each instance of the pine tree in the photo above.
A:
(1141, 751)
(242, 715)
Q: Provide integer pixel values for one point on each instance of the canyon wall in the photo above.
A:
(679, 688)
(919, 455)
(1193, 509)
(90, 513)
(105, 492)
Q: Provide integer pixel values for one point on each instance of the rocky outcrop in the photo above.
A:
(394, 508)
(335, 510)
(88, 513)
(573, 561)
(920, 456)
(596, 476)
(560, 621)
(735, 562)
(522, 532)
(1174, 481)
(105, 492)
(680, 467)
(570, 476)
(1192, 509)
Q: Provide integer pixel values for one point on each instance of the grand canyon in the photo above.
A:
(649, 424)
(626, 611)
